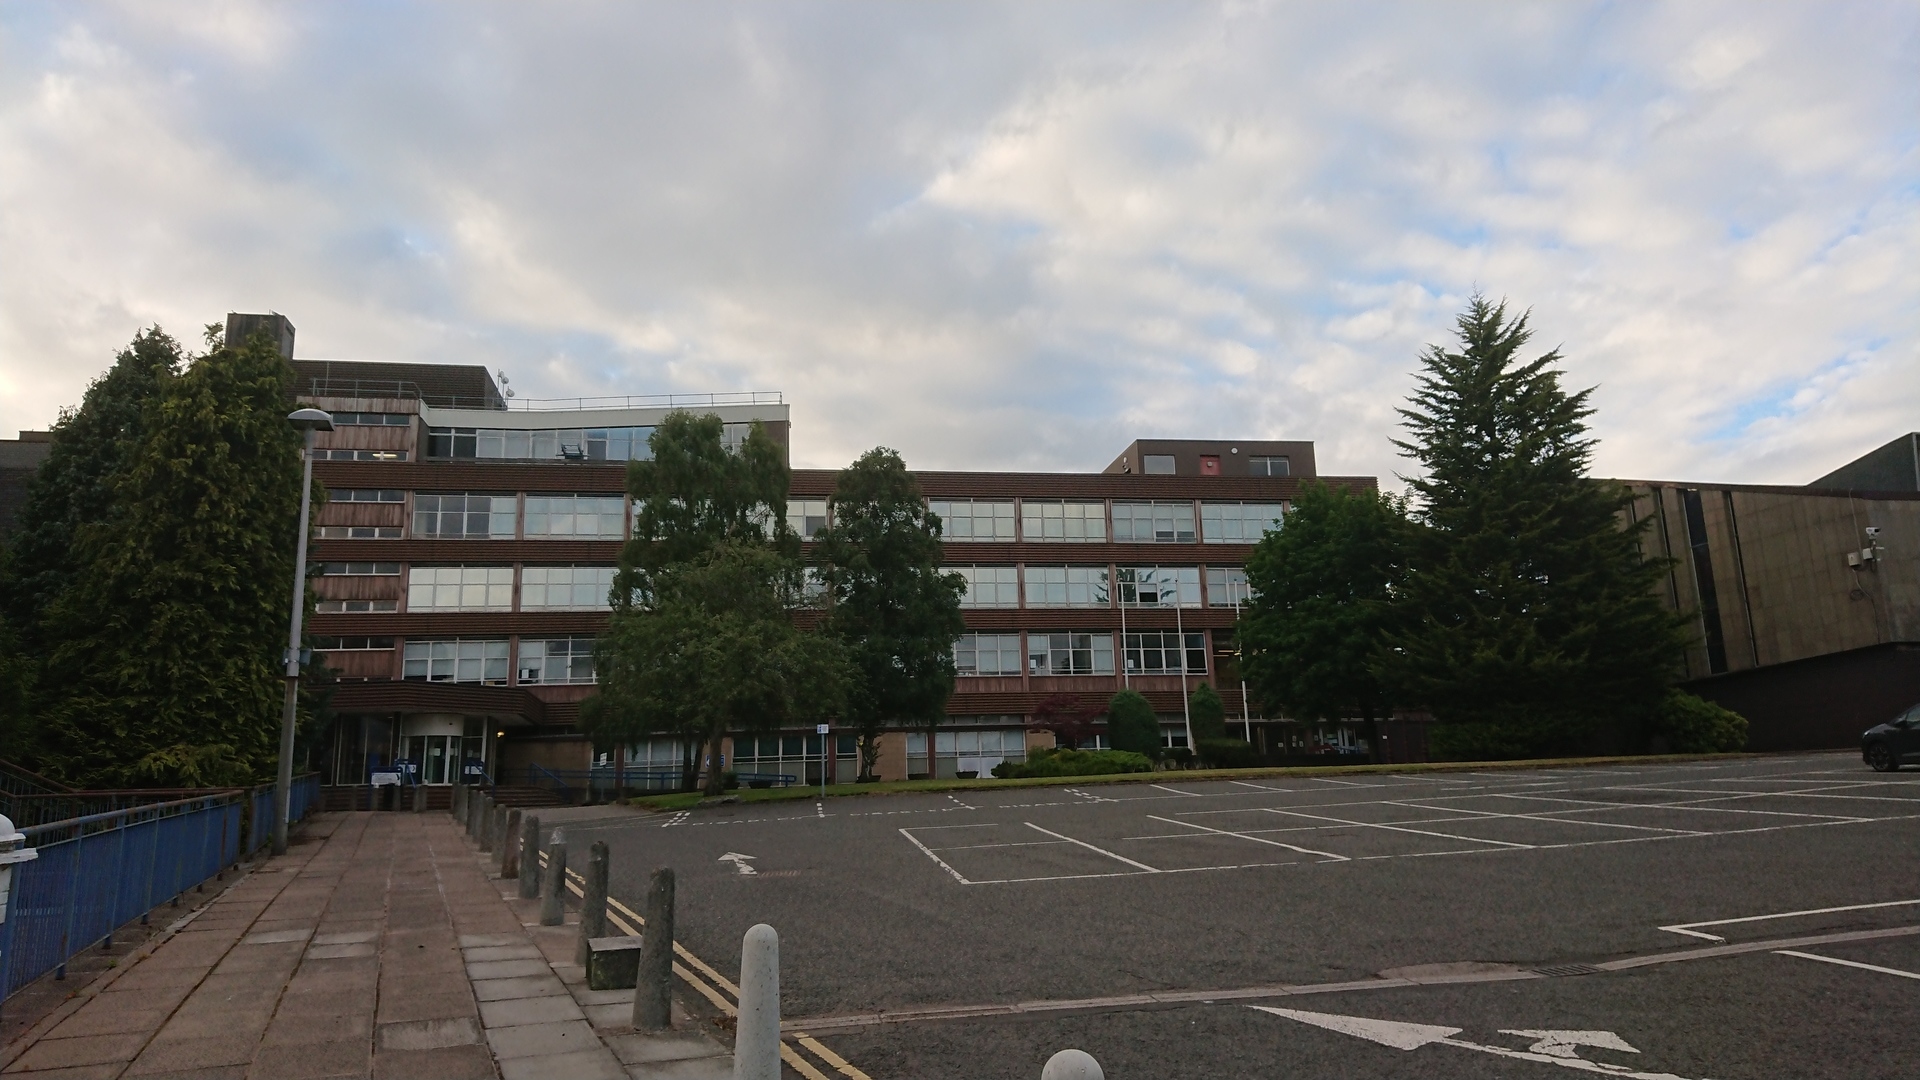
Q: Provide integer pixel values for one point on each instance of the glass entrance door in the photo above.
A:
(433, 752)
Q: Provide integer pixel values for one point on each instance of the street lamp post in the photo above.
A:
(307, 421)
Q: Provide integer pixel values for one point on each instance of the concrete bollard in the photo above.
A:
(489, 811)
(1072, 1065)
(510, 849)
(529, 856)
(593, 902)
(455, 807)
(756, 1039)
(473, 813)
(419, 798)
(653, 990)
(553, 894)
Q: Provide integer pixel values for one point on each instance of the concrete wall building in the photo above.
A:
(466, 553)
(1805, 600)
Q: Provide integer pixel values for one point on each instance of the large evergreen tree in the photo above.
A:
(163, 645)
(702, 641)
(1324, 589)
(892, 606)
(1534, 627)
(76, 486)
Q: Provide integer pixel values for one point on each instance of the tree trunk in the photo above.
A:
(933, 753)
(1374, 753)
(690, 765)
(714, 761)
(869, 753)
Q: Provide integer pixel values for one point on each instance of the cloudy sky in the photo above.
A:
(998, 236)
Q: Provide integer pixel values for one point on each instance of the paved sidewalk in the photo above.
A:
(377, 947)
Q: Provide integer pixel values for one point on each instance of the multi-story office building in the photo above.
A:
(466, 552)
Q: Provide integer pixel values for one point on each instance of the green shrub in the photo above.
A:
(1206, 715)
(1226, 753)
(1686, 724)
(1048, 762)
(1131, 725)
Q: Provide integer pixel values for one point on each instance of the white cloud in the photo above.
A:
(998, 237)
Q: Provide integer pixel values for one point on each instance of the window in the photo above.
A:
(1238, 523)
(977, 751)
(1157, 464)
(354, 607)
(973, 519)
(806, 517)
(360, 569)
(1153, 522)
(571, 517)
(989, 586)
(1160, 586)
(1070, 654)
(1269, 466)
(1158, 652)
(356, 532)
(460, 588)
(1227, 587)
(1060, 521)
(371, 419)
(1066, 586)
(366, 495)
(351, 644)
(359, 455)
(813, 585)
(463, 517)
(565, 588)
(987, 654)
(457, 660)
(556, 660)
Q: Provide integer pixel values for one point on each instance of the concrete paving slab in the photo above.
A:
(534, 1010)
(507, 969)
(346, 937)
(638, 1049)
(341, 952)
(428, 1034)
(595, 1064)
(520, 987)
(542, 1040)
(719, 1068)
(444, 1063)
(277, 937)
(501, 952)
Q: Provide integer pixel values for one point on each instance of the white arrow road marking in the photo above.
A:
(739, 862)
(1554, 1047)
(1567, 1044)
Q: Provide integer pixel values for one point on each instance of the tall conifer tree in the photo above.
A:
(163, 666)
(1533, 623)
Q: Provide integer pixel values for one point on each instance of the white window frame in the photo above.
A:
(1063, 521)
(1177, 517)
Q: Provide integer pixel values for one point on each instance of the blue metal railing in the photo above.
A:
(98, 872)
(300, 802)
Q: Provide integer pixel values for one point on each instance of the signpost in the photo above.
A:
(826, 756)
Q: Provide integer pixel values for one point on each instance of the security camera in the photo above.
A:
(1873, 532)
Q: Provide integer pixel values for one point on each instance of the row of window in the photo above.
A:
(569, 660)
(542, 661)
(1088, 586)
(569, 444)
(586, 588)
(468, 516)
(1149, 652)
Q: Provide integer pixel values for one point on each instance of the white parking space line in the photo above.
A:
(1177, 791)
(982, 847)
(928, 852)
(1328, 855)
(1691, 929)
(1348, 783)
(1848, 963)
(1545, 815)
(1262, 787)
(1090, 847)
(1398, 828)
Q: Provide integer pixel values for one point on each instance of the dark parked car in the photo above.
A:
(1894, 743)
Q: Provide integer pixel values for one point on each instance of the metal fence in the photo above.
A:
(98, 872)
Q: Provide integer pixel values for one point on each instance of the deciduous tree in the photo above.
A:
(1314, 633)
(892, 607)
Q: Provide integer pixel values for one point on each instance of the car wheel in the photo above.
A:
(1880, 756)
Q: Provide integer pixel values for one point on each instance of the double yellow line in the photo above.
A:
(721, 991)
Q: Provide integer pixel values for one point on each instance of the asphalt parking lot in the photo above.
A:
(1730, 920)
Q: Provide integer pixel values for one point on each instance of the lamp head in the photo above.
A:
(310, 420)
